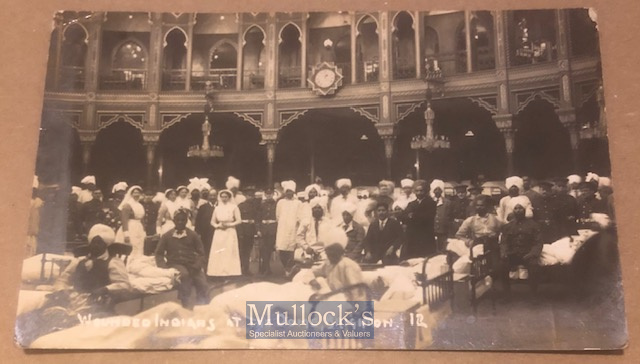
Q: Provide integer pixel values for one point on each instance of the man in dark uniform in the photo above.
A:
(203, 221)
(150, 212)
(247, 230)
(545, 212)
(459, 208)
(267, 231)
(181, 248)
(521, 245)
(419, 219)
(474, 192)
(93, 212)
(566, 208)
(531, 194)
(588, 203)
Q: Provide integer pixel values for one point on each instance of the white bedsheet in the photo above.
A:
(146, 277)
(563, 250)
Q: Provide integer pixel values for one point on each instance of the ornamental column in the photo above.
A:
(59, 25)
(92, 61)
(270, 137)
(388, 137)
(190, 24)
(504, 123)
(418, 33)
(467, 36)
(154, 69)
(150, 140)
(87, 139)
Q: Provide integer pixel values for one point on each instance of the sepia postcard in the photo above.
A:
(375, 179)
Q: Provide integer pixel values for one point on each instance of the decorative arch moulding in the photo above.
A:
(370, 112)
(253, 118)
(286, 117)
(525, 98)
(405, 109)
(136, 120)
(170, 119)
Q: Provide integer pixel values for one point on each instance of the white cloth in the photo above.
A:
(136, 231)
(224, 258)
(343, 182)
(75, 190)
(604, 182)
(120, 186)
(339, 203)
(406, 183)
(287, 217)
(89, 179)
(288, 185)
(105, 232)
(36, 183)
(574, 178)
(85, 196)
(232, 182)
(403, 201)
(592, 177)
(514, 181)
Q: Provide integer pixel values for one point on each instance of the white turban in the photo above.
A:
(105, 232)
(205, 186)
(36, 183)
(158, 198)
(232, 182)
(333, 236)
(199, 184)
(519, 200)
(312, 187)
(343, 182)
(318, 201)
(514, 181)
(89, 179)
(120, 186)
(592, 177)
(574, 178)
(406, 183)
(363, 193)
(75, 190)
(387, 183)
(604, 182)
(288, 185)
(350, 208)
(436, 183)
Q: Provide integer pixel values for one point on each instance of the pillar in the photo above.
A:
(87, 139)
(386, 132)
(418, 32)
(567, 117)
(59, 25)
(384, 47)
(354, 36)
(92, 61)
(467, 35)
(240, 54)
(303, 50)
(190, 24)
(270, 137)
(156, 45)
(271, 45)
(504, 123)
(150, 140)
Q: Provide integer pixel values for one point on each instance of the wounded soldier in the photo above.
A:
(88, 286)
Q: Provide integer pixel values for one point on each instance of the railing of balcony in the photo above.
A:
(371, 71)
(174, 79)
(124, 79)
(222, 78)
(289, 77)
(253, 79)
(72, 78)
(404, 69)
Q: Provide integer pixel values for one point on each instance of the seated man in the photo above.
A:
(88, 287)
(383, 238)
(355, 233)
(98, 274)
(521, 244)
(182, 249)
(482, 228)
(311, 232)
(340, 272)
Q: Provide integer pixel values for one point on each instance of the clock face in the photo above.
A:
(325, 78)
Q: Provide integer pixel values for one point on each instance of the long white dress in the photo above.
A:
(136, 230)
(224, 258)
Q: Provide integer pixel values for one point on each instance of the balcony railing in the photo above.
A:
(370, 70)
(404, 69)
(72, 78)
(290, 77)
(222, 78)
(253, 79)
(124, 79)
(174, 79)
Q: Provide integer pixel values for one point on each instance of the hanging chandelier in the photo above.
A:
(206, 151)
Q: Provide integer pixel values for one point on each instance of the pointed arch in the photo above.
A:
(284, 27)
(129, 39)
(72, 25)
(252, 26)
(164, 38)
(394, 20)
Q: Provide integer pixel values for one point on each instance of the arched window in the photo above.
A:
(253, 59)
(482, 44)
(289, 57)
(223, 64)
(175, 61)
(532, 36)
(404, 47)
(367, 50)
(74, 52)
(129, 67)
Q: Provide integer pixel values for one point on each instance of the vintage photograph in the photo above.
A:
(412, 179)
